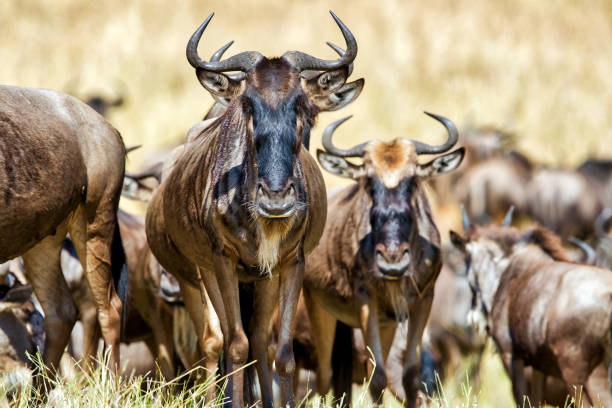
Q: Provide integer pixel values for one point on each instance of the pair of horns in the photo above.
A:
(420, 147)
(467, 223)
(245, 61)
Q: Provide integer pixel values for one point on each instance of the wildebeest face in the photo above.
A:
(279, 98)
(391, 175)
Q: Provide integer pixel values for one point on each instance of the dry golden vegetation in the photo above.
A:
(540, 69)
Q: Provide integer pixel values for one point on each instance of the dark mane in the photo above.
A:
(548, 241)
(507, 237)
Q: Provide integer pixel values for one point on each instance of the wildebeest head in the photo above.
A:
(391, 176)
(279, 99)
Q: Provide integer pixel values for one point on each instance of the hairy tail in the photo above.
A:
(342, 362)
(119, 269)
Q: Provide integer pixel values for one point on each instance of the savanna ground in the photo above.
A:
(542, 70)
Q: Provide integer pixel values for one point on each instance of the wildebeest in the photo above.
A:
(380, 251)
(61, 171)
(564, 201)
(600, 173)
(541, 310)
(151, 291)
(245, 201)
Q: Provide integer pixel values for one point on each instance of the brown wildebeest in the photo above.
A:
(381, 251)
(61, 172)
(151, 293)
(600, 173)
(564, 201)
(541, 310)
(245, 201)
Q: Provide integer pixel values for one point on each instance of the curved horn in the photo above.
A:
(244, 61)
(465, 219)
(602, 223)
(302, 61)
(355, 151)
(588, 250)
(340, 52)
(508, 218)
(217, 57)
(453, 136)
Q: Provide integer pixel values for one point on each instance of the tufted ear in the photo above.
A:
(339, 166)
(441, 164)
(340, 98)
(220, 85)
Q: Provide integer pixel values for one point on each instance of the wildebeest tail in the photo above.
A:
(246, 312)
(119, 269)
(342, 362)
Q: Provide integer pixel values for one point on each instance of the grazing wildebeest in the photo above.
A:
(380, 255)
(244, 200)
(151, 293)
(541, 310)
(564, 201)
(61, 171)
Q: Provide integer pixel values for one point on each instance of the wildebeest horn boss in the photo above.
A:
(245, 201)
(380, 252)
(61, 171)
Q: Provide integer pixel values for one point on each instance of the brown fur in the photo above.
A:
(542, 311)
(61, 169)
(343, 283)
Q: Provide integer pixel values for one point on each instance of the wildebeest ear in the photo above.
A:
(338, 166)
(340, 98)
(218, 84)
(326, 82)
(441, 164)
(457, 240)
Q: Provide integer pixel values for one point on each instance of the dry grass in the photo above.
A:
(541, 69)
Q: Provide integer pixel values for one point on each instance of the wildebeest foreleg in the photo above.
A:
(419, 314)
(367, 304)
(291, 277)
(43, 271)
(323, 325)
(538, 382)
(265, 299)
(519, 383)
(236, 344)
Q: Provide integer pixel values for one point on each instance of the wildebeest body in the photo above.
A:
(61, 170)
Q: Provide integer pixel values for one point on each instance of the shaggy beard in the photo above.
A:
(272, 233)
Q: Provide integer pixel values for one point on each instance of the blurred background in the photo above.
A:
(541, 70)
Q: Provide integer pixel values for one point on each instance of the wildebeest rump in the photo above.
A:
(380, 251)
(245, 201)
(541, 310)
(61, 170)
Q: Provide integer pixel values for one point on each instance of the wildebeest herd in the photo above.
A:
(245, 265)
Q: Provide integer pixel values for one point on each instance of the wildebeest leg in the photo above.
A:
(517, 376)
(265, 298)
(92, 241)
(210, 345)
(236, 343)
(598, 387)
(323, 325)
(291, 277)
(419, 314)
(91, 328)
(43, 271)
(394, 365)
(538, 381)
(367, 304)
(164, 346)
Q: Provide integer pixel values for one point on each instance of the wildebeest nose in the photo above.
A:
(392, 263)
(276, 203)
